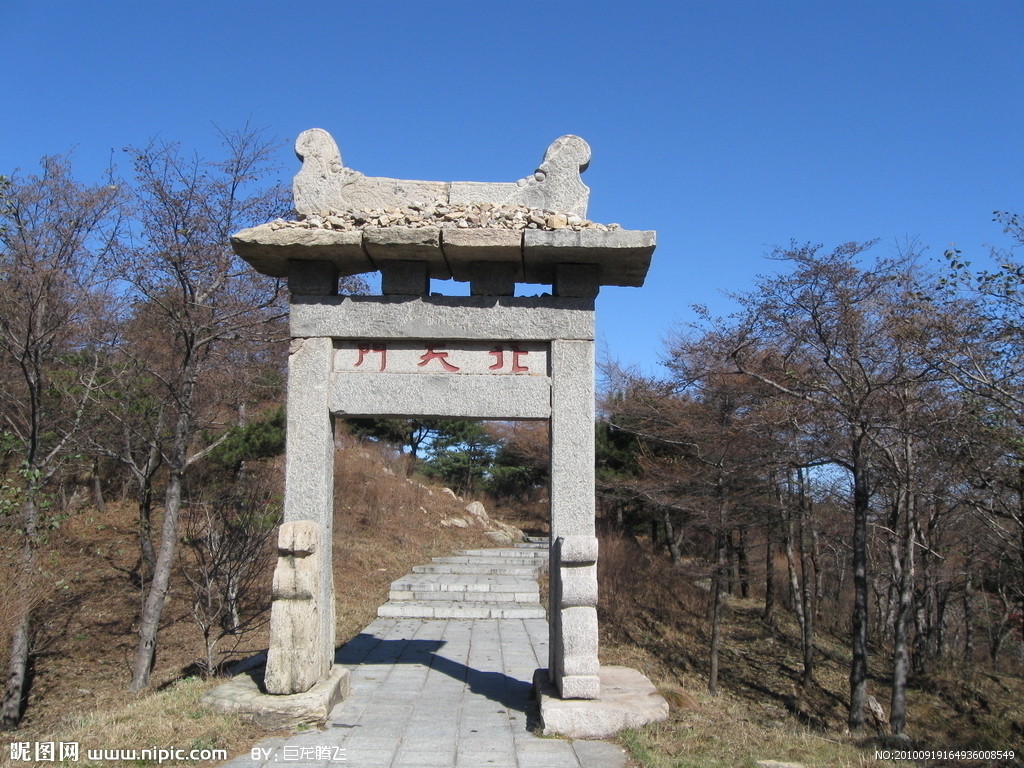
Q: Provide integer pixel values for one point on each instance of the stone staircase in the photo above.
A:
(473, 584)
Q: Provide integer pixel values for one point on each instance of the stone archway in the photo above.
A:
(489, 355)
(513, 358)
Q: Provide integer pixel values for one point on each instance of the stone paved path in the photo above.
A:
(443, 678)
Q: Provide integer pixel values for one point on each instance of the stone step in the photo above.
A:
(444, 583)
(460, 610)
(483, 560)
(464, 597)
(538, 554)
(527, 554)
(545, 540)
(482, 569)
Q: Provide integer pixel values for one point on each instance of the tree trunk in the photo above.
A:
(818, 571)
(925, 608)
(670, 538)
(859, 634)
(768, 614)
(17, 672)
(152, 610)
(794, 586)
(149, 623)
(17, 667)
(742, 562)
(941, 604)
(800, 586)
(97, 488)
(146, 553)
(144, 481)
(807, 580)
(901, 657)
(717, 595)
(731, 571)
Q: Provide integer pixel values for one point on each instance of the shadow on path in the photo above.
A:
(365, 649)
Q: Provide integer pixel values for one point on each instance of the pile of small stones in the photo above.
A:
(442, 214)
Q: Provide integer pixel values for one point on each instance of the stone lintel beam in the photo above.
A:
(407, 244)
(467, 249)
(443, 317)
(442, 395)
(621, 256)
(616, 257)
(269, 250)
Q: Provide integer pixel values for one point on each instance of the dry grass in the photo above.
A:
(170, 718)
(653, 618)
(385, 523)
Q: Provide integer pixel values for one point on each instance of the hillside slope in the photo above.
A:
(385, 522)
(655, 618)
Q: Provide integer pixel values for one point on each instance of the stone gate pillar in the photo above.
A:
(573, 663)
(302, 612)
(490, 355)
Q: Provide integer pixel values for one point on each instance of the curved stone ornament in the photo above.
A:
(324, 183)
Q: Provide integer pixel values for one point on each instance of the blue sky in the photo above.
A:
(728, 127)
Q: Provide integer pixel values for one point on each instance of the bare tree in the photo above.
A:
(181, 272)
(224, 560)
(988, 364)
(836, 336)
(54, 233)
(701, 464)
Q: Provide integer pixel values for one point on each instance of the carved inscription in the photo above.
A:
(429, 356)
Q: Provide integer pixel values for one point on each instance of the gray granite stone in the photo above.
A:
(493, 279)
(582, 280)
(442, 395)
(574, 628)
(270, 250)
(302, 636)
(313, 278)
(465, 246)
(621, 257)
(578, 549)
(243, 695)
(323, 183)
(579, 586)
(627, 700)
(444, 317)
(404, 278)
(618, 257)
(387, 244)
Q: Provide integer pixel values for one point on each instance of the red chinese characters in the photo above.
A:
(409, 356)
(517, 355)
(376, 348)
(441, 357)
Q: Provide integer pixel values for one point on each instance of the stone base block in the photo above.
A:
(628, 700)
(244, 695)
(580, 686)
